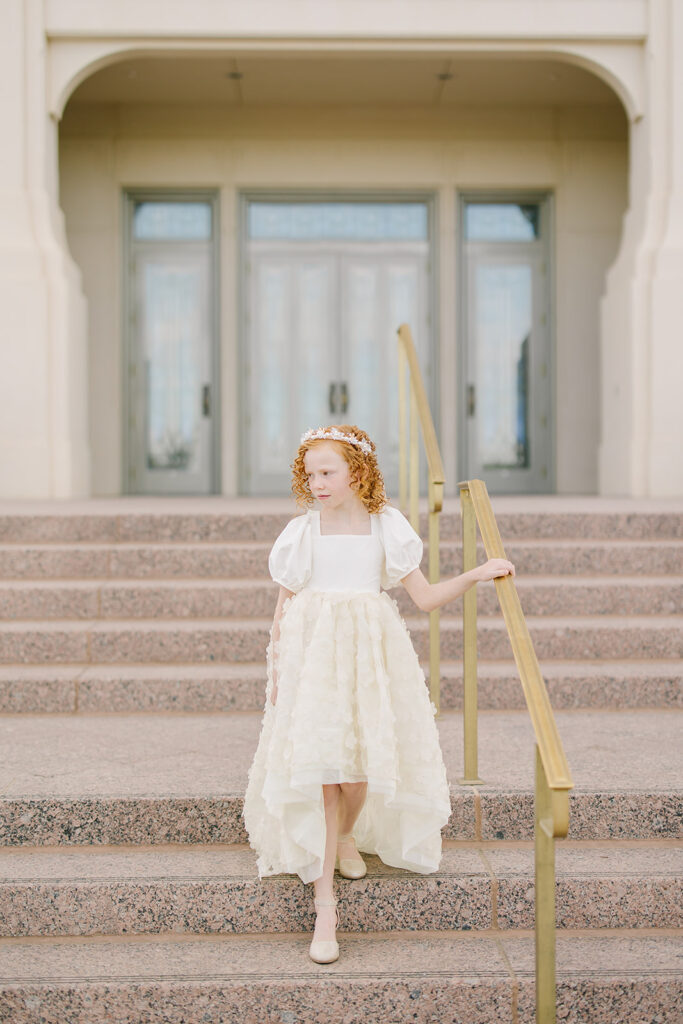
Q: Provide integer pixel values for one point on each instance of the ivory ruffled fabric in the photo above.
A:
(352, 705)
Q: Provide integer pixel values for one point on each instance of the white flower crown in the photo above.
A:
(333, 434)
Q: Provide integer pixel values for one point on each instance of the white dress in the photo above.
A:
(352, 705)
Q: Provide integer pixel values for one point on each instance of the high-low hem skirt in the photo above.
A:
(352, 706)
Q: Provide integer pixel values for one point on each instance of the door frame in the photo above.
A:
(541, 196)
(430, 197)
(130, 195)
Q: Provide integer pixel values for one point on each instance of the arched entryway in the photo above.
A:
(537, 142)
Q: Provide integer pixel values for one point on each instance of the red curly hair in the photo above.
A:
(366, 478)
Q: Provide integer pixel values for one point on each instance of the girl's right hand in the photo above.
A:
(494, 567)
(273, 694)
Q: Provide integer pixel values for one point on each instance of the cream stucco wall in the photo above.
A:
(577, 152)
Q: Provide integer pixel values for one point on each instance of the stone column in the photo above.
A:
(642, 309)
(44, 449)
(665, 442)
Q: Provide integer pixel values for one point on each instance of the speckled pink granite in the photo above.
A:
(619, 978)
(576, 558)
(240, 686)
(570, 596)
(165, 778)
(203, 640)
(608, 886)
(178, 519)
(41, 688)
(216, 889)
(433, 979)
(214, 687)
(249, 559)
(211, 598)
(143, 604)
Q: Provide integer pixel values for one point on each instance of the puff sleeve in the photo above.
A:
(402, 547)
(289, 561)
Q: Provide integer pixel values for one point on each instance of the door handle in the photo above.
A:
(470, 400)
(206, 400)
(342, 404)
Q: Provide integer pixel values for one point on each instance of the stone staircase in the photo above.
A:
(132, 673)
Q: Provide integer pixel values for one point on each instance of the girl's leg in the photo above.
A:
(325, 921)
(350, 805)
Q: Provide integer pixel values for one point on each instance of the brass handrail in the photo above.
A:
(409, 481)
(553, 778)
(533, 685)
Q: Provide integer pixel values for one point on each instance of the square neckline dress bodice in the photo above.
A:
(346, 561)
(352, 705)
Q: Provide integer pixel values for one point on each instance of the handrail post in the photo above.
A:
(402, 446)
(414, 474)
(544, 869)
(434, 621)
(411, 420)
(469, 642)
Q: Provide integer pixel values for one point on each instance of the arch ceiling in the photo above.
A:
(547, 76)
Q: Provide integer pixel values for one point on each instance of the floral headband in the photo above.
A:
(336, 435)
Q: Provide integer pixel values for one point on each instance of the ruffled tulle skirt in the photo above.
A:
(352, 705)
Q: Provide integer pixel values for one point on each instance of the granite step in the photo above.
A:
(222, 599)
(242, 519)
(128, 890)
(246, 560)
(213, 890)
(78, 689)
(427, 978)
(201, 641)
(70, 780)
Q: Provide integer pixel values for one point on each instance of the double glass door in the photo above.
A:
(327, 286)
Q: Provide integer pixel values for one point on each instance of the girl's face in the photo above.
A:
(328, 475)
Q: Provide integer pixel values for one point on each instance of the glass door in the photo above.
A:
(380, 291)
(171, 352)
(291, 364)
(506, 421)
(327, 286)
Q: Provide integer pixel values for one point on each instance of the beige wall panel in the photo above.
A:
(580, 275)
(590, 200)
(409, 21)
(90, 200)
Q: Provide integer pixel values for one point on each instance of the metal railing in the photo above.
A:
(420, 416)
(552, 776)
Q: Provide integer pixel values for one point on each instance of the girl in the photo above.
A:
(348, 757)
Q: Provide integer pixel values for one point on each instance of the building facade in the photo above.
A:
(215, 217)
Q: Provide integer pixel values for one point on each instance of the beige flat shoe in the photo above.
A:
(327, 950)
(350, 867)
